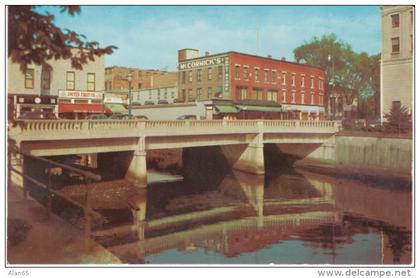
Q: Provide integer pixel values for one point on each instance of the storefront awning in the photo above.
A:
(259, 108)
(117, 108)
(83, 108)
(226, 109)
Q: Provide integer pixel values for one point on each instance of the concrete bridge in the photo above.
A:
(242, 141)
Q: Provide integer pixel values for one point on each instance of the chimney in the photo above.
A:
(187, 53)
(283, 58)
(269, 56)
(206, 53)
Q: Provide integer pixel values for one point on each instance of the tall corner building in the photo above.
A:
(397, 57)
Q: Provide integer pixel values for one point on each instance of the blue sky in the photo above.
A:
(149, 36)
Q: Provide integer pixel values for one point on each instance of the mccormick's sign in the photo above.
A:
(201, 63)
(79, 94)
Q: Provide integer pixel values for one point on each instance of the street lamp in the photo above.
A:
(129, 78)
(332, 98)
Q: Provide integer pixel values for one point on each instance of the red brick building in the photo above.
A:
(299, 89)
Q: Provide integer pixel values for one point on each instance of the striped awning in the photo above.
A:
(117, 108)
(226, 109)
(259, 108)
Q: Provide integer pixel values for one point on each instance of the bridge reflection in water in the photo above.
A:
(292, 218)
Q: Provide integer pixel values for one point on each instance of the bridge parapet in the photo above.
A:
(80, 129)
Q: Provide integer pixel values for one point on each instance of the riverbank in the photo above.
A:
(401, 180)
(42, 241)
(383, 158)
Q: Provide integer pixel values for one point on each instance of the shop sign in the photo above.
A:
(202, 63)
(80, 94)
(114, 99)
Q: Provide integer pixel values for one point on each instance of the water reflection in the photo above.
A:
(286, 217)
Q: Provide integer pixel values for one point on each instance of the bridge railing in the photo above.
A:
(129, 128)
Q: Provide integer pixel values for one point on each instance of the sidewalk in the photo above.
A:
(52, 241)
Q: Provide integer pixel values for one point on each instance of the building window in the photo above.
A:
(283, 78)
(395, 19)
(199, 75)
(172, 94)
(209, 93)
(198, 93)
(190, 94)
(265, 76)
(257, 73)
(283, 97)
(70, 80)
(319, 84)
(246, 73)
(190, 76)
(46, 79)
(242, 93)
(209, 73)
(158, 94)
(29, 79)
(396, 104)
(91, 82)
(273, 76)
(395, 45)
(411, 43)
(312, 82)
(293, 80)
(302, 81)
(321, 100)
(166, 94)
(183, 77)
(257, 94)
(312, 98)
(237, 72)
(272, 95)
(219, 72)
(293, 97)
(302, 98)
(139, 85)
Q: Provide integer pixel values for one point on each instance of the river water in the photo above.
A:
(288, 216)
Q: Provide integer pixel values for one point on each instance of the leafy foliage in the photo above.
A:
(33, 38)
(352, 72)
(399, 119)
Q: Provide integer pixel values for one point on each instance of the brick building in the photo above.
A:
(240, 77)
(116, 79)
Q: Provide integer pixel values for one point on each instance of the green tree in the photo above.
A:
(33, 38)
(325, 52)
(399, 119)
(350, 71)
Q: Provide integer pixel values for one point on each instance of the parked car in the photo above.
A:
(163, 101)
(37, 115)
(141, 117)
(97, 117)
(149, 102)
(187, 117)
(374, 125)
(126, 117)
(178, 100)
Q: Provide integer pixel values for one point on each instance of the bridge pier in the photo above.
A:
(249, 158)
(137, 170)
